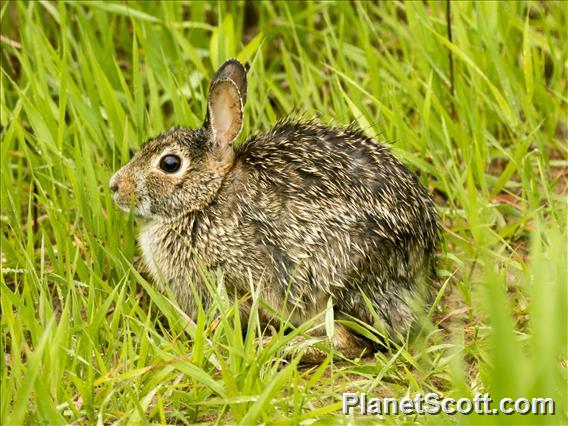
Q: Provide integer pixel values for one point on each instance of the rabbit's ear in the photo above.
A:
(233, 70)
(224, 112)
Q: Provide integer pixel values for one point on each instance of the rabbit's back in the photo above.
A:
(332, 179)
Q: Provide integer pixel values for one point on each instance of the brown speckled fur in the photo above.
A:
(328, 210)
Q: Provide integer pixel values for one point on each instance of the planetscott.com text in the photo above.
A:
(432, 404)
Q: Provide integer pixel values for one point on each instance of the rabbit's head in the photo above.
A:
(182, 170)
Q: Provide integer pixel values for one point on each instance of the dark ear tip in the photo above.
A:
(235, 71)
(245, 67)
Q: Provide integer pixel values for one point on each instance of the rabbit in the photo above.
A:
(309, 211)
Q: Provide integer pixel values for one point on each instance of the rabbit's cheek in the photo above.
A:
(159, 184)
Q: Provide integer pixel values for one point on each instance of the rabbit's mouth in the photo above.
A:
(137, 212)
(138, 207)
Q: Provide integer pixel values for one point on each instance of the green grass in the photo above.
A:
(86, 339)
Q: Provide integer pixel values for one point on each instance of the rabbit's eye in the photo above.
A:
(170, 163)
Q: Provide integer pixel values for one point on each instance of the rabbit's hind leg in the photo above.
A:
(346, 343)
(349, 344)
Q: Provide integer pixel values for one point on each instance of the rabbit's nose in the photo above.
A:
(113, 184)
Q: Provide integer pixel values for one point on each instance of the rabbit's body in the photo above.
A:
(307, 211)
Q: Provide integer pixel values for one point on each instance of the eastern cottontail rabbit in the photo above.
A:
(307, 209)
